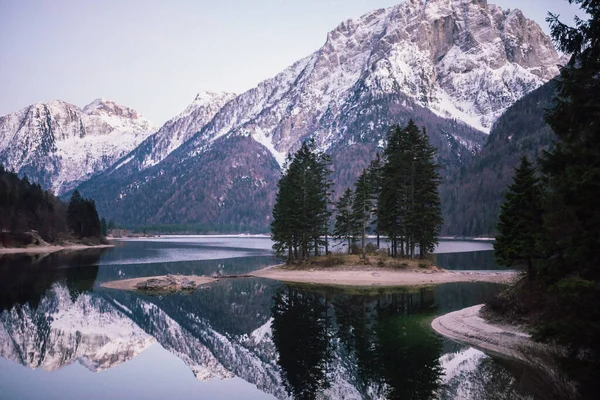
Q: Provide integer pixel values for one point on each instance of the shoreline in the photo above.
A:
(369, 276)
(467, 326)
(50, 248)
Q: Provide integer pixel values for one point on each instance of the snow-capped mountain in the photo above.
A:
(451, 65)
(173, 133)
(462, 59)
(57, 144)
(60, 331)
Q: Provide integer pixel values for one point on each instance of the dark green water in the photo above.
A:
(62, 336)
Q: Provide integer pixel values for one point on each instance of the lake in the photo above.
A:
(62, 336)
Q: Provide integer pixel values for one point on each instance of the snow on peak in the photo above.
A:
(177, 130)
(205, 97)
(58, 144)
(462, 59)
(118, 116)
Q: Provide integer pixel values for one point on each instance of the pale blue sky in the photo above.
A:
(155, 56)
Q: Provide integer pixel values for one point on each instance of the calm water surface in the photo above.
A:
(62, 336)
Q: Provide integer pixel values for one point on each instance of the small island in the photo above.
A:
(160, 285)
(383, 271)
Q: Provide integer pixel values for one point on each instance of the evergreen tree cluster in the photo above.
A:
(82, 217)
(397, 195)
(301, 212)
(25, 206)
(553, 225)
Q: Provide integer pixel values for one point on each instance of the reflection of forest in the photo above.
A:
(383, 340)
(26, 277)
(472, 260)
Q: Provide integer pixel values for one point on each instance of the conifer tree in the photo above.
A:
(427, 208)
(285, 213)
(74, 213)
(362, 207)
(301, 213)
(82, 216)
(103, 227)
(375, 182)
(520, 220)
(392, 199)
(345, 225)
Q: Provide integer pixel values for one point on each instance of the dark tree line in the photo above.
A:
(397, 196)
(25, 207)
(551, 226)
(82, 217)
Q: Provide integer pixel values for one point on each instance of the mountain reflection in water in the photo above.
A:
(289, 341)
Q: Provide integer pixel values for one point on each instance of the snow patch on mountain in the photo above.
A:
(58, 144)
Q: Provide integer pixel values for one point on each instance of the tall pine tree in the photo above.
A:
(362, 207)
(520, 220)
(345, 225)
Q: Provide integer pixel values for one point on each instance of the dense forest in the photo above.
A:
(550, 219)
(25, 208)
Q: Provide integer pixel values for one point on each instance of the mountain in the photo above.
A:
(59, 145)
(451, 65)
(472, 200)
(172, 134)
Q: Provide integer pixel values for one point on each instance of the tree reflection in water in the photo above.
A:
(303, 337)
(382, 339)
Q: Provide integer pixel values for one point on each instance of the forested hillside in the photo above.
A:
(471, 201)
(25, 207)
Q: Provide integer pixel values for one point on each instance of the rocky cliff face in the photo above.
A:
(59, 145)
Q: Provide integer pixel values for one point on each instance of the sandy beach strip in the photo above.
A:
(468, 327)
(50, 249)
(379, 276)
(129, 284)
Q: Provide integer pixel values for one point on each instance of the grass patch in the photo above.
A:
(383, 261)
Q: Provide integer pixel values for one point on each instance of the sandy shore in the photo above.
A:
(467, 326)
(361, 276)
(129, 284)
(50, 249)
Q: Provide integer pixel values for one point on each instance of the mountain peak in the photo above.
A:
(104, 106)
(208, 96)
